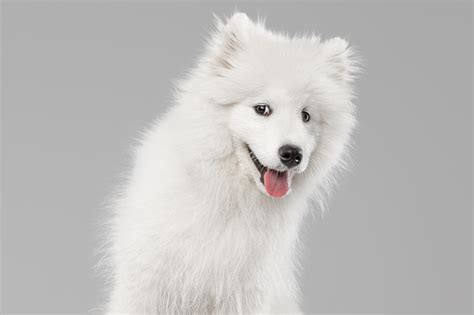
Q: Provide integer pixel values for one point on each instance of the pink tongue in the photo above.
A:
(276, 184)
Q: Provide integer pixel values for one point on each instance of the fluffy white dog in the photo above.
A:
(209, 219)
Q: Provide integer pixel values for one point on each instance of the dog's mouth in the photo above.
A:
(276, 183)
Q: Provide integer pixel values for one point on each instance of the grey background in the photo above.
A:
(80, 79)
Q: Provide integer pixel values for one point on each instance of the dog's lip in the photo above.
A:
(260, 167)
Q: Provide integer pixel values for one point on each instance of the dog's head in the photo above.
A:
(288, 99)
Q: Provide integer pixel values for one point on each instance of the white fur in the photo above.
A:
(194, 230)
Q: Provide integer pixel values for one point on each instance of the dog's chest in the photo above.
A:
(235, 262)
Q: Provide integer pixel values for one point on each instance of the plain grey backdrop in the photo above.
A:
(80, 80)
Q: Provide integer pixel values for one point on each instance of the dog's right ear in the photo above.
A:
(228, 39)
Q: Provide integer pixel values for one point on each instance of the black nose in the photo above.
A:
(290, 155)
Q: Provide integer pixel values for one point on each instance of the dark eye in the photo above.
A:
(263, 109)
(305, 115)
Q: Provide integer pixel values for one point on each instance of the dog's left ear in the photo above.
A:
(228, 39)
(341, 61)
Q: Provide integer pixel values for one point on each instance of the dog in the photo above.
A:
(208, 219)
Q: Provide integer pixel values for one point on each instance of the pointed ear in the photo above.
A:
(229, 38)
(341, 60)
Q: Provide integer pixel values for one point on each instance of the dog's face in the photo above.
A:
(275, 135)
(288, 101)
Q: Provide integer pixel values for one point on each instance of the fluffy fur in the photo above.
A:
(194, 230)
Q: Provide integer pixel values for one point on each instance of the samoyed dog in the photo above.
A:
(209, 217)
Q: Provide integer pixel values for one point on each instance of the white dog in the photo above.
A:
(209, 219)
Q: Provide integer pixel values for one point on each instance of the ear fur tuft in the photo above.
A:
(228, 39)
(341, 58)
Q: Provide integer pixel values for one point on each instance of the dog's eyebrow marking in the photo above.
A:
(230, 103)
